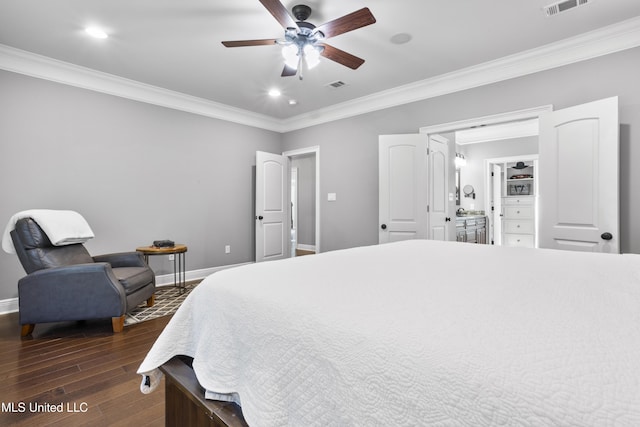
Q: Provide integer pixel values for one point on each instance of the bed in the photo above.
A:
(416, 333)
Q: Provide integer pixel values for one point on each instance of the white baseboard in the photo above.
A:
(302, 247)
(167, 279)
(8, 305)
(11, 305)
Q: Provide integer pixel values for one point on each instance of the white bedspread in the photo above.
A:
(419, 333)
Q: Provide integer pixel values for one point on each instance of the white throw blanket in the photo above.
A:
(418, 333)
(63, 227)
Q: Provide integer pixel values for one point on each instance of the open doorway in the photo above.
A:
(304, 187)
(482, 139)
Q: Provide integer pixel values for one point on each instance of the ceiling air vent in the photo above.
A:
(336, 84)
(563, 6)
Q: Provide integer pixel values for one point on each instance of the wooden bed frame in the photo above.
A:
(185, 404)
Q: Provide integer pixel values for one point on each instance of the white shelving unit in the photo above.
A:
(518, 204)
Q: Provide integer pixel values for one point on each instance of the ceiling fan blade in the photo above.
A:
(280, 13)
(242, 43)
(353, 21)
(289, 72)
(341, 57)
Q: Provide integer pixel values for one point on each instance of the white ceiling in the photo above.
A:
(176, 44)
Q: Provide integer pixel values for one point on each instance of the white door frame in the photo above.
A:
(311, 150)
(509, 116)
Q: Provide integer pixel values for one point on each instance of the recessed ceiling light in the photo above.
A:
(275, 93)
(293, 102)
(96, 32)
(401, 38)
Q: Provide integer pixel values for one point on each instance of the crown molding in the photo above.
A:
(600, 42)
(42, 67)
(606, 40)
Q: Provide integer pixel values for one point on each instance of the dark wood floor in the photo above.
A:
(84, 367)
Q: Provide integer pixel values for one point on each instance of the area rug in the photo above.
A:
(168, 299)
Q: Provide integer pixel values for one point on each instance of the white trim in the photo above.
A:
(31, 64)
(308, 150)
(510, 116)
(8, 305)
(497, 132)
(603, 41)
(11, 305)
(606, 40)
(167, 279)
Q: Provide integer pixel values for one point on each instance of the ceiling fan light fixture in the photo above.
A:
(304, 42)
(290, 55)
(312, 56)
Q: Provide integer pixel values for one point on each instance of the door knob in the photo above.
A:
(383, 226)
(606, 236)
(447, 219)
(260, 217)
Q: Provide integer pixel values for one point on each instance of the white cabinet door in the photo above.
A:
(403, 172)
(579, 196)
(272, 211)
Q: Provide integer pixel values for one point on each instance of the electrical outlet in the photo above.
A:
(227, 249)
(172, 257)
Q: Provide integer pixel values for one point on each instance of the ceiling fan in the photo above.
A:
(304, 41)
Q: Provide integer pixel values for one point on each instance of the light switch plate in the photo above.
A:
(331, 197)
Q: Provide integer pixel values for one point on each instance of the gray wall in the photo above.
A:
(136, 172)
(349, 148)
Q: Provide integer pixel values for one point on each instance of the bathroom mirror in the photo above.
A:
(469, 191)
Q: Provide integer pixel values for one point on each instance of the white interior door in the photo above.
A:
(438, 216)
(578, 180)
(272, 207)
(496, 178)
(403, 172)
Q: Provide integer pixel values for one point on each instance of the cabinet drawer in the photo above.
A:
(517, 212)
(471, 236)
(517, 200)
(518, 240)
(518, 227)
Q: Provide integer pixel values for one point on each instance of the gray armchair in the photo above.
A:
(66, 283)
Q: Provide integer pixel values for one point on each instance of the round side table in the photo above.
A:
(179, 251)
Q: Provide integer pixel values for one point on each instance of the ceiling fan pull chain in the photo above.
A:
(300, 66)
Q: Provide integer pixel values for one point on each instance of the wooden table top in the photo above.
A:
(153, 250)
